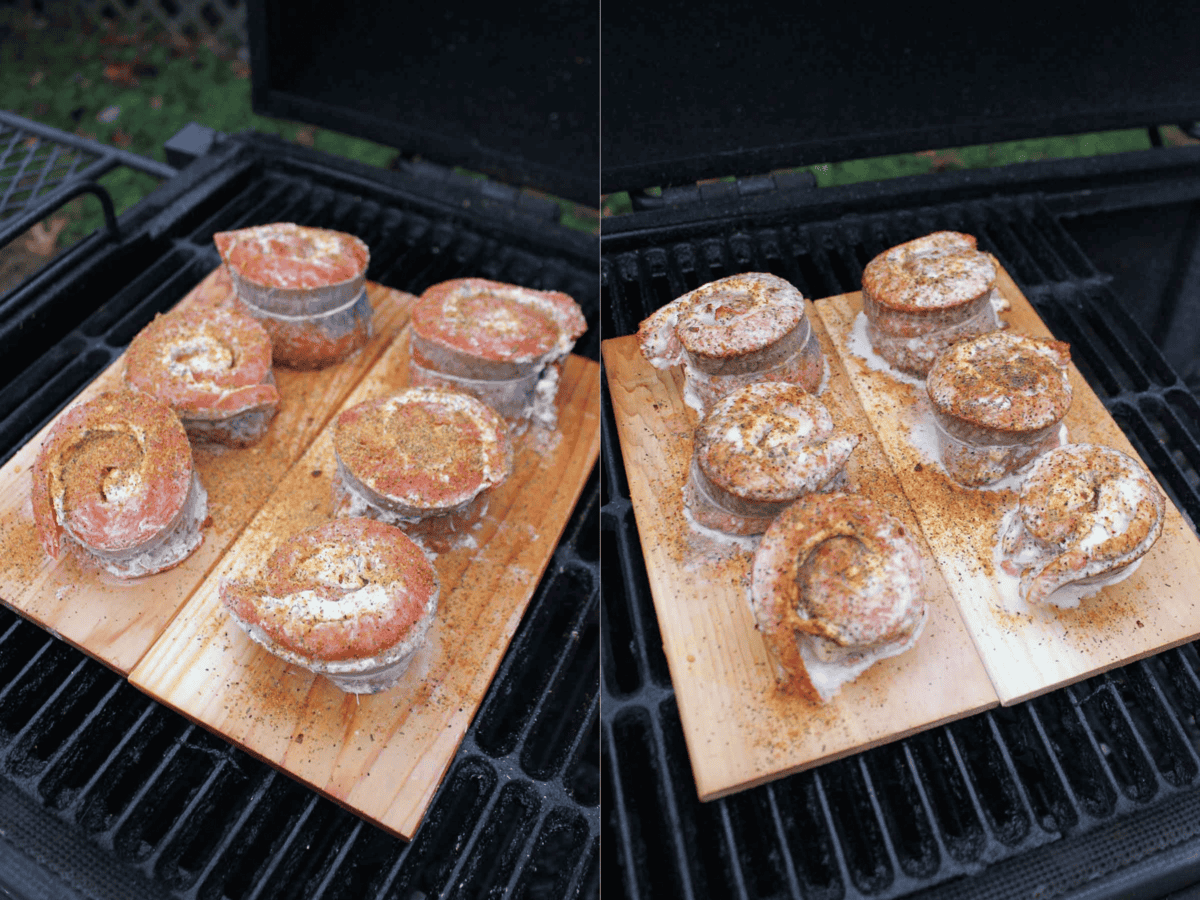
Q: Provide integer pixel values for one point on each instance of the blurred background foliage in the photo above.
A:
(134, 85)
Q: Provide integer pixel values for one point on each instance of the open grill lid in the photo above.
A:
(506, 91)
(693, 91)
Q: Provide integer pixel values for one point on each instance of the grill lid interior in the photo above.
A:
(749, 93)
(504, 90)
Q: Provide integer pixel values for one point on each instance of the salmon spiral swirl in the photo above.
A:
(114, 476)
(351, 599)
(213, 367)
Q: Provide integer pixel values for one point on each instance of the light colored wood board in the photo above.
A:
(116, 620)
(1026, 653)
(741, 729)
(384, 755)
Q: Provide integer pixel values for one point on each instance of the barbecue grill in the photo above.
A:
(108, 794)
(1090, 791)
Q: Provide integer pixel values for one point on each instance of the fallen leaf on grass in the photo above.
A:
(121, 74)
(122, 139)
(42, 239)
(306, 137)
(941, 160)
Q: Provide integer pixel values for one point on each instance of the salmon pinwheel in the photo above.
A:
(306, 285)
(114, 477)
(924, 295)
(734, 332)
(213, 367)
(838, 585)
(759, 449)
(998, 400)
(501, 343)
(1087, 516)
(425, 459)
(351, 600)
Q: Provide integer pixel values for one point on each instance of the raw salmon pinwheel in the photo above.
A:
(734, 332)
(306, 285)
(998, 400)
(838, 585)
(213, 367)
(499, 342)
(425, 459)
(756, 451)
(351, 600)
(924, 295)
(114, 476)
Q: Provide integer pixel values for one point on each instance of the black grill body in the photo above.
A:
(108, 794)
(1090, 791)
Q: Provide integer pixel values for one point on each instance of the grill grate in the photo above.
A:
(911, 815)
(156, 806)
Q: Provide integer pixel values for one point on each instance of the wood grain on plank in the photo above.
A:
(381, 755)
(117, 620)
(741, 729)
(1033, 650)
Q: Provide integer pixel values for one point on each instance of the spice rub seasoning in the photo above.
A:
(212, 366)
(423, 459)
(838, 584)
(998, 400)
(924, 295)
(114, 477)
(306, 285)
(756, 451)
(734, 332)
(351, 600)
(501, 343)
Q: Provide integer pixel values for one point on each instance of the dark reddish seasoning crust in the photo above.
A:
(354, 553)
(921, 296)
(286, 255)
(839, 567)
(233, 376)
(491, 322)
(96, 442)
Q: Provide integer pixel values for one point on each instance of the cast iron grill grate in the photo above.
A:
(918, 813)
(146, 804)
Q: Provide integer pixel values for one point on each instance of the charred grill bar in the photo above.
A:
(104, 793)
(1089, 791)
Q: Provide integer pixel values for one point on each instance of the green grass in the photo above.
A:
(151, 85)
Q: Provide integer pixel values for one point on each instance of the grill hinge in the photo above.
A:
(725, 189)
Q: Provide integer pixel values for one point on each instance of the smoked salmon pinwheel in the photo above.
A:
(351, 600)
(924, 295)
(213, 367)
(114, 477)
(425, 459)
(1087, 514)
(307, 286)
(998, 400)
(756, 451)
(501, 343)
(734, 332)
(838, 584)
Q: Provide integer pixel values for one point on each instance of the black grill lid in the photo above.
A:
(693, 90)
(506, 90)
